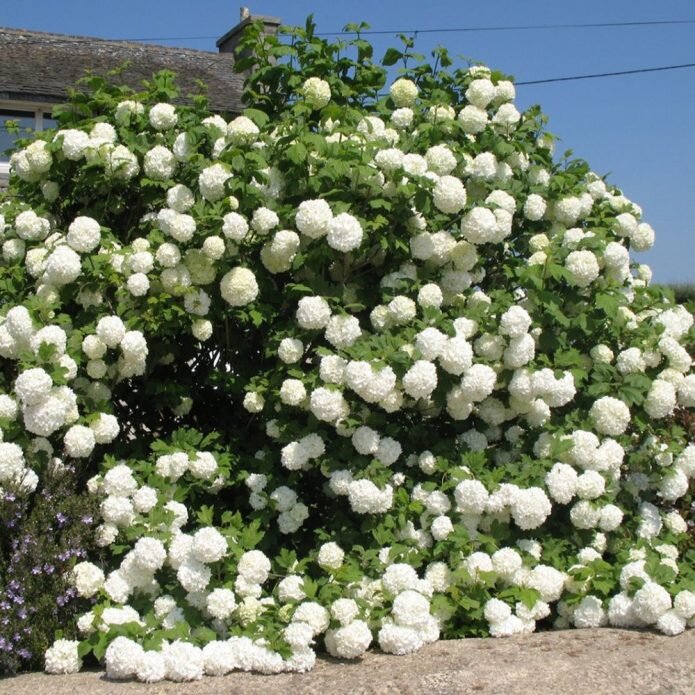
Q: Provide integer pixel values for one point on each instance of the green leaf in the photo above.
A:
(296, 153)
(260, 118)
(391, 57)
(310, 587)
(203, 635)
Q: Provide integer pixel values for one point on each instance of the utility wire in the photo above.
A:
(606, 74)
(520, 27)
(618, 73)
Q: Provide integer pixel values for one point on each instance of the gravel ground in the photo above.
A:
(596, 662)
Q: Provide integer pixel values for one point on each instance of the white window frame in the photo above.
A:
(39, 109)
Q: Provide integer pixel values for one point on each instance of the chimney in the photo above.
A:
(229, 42)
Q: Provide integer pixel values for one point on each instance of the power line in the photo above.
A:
(618, 73)
(449, 30)
(520, 27)
(607, 74)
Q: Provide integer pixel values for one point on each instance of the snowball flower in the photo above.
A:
(495, 611)
(316, 92)
(314, 615)
(478, 382)
(110, 330)
(661, 399)
(344, 233)
(239, 287)
(342, 331)
(149, 554)
(561, 482)
(234, 226)
(366, 498)
(209, 545)
(471, 497)
(151, 667)
(449, 195)
(421, 379)
(651, 602)
(411, 609)
(313, 313)
(122, 657)
(63, 266)
(350, 641)
(163, 116)
(254, 567)
(264, 220)
(473, 119)
(79, 441)
(290, 350)
(515, 322)
(399, 577)
(62, 657)
(441, 527)
(548, 581)
(479, 226)
(480, 92)
(313, 218)
(589, 613)
(530, 508)
(610, 416)
(397, 639)
(590, 485)
(211, 182)
(33, 385)
(183, 662)
(330, 556)
(87, 578)
(583, 267)
(242, 130)
(159, 163)
(403, 92)
(292, 392)
(327, 405)
(534, 207)
(84, 234)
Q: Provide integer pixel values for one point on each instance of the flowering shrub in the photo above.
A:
(41, 538)
(350, 369)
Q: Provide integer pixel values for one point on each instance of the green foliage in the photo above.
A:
(40, 541)
(230, 433)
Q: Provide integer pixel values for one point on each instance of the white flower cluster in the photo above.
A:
(424, 344)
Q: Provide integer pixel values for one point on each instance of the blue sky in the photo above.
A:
(637, 128)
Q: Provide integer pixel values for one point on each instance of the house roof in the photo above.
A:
(41, 67)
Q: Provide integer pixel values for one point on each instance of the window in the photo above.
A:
(27, 118)
(23, 120)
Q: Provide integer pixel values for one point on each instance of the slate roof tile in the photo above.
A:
(41, 67)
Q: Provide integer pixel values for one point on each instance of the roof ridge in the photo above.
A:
(53, 38)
